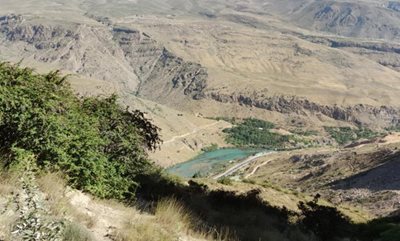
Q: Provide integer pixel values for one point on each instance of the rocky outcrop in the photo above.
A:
(160, 71)
(367, 115)
(128, 58)
(39, 35)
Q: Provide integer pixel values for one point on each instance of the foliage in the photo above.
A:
(249, 181)
(98, 145)
(225, 181)
(343, 135)
(255, 133)
(198, 174)
(209, 148)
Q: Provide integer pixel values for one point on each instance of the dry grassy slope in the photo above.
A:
(363, 176)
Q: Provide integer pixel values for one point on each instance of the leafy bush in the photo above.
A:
(343, 135)
(98, 145)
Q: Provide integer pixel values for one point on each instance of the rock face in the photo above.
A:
(135, 62)
(152, 62)
(366, 115)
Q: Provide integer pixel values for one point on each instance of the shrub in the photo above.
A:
(75, 232)
(98, 145)
(209, 148)
(249, 181)
(225, 181)
(343, 135)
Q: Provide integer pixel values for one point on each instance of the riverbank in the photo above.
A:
(213, 162)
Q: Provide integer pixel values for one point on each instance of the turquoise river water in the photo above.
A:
(207, 161)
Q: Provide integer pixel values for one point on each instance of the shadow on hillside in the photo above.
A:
(249, 218)
(383, 177)
(245, 216)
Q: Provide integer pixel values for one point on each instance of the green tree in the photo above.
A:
(100, 146)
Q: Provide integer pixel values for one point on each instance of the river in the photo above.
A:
(209, 162)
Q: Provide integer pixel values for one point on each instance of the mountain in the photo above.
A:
(308, 90)
(218, 59)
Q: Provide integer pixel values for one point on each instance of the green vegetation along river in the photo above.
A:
(209, 162)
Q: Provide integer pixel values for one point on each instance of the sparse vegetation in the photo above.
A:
(211, 147)
(54, 186)
(302, 132)
(76, 232)
(231, 120)
(173, 216)
(249, 181)
(225, 181)
(143, 230)
(171, 221)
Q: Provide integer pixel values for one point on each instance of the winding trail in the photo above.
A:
(242, 164)
(191, 133)
(255, 169)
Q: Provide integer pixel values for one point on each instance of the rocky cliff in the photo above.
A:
(137, 64)
(362, 115)
(130, 59)
(159, 70)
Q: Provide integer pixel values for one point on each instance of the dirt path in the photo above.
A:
(241, 164)
(191, 133)
(105, 218)
(255, 169)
